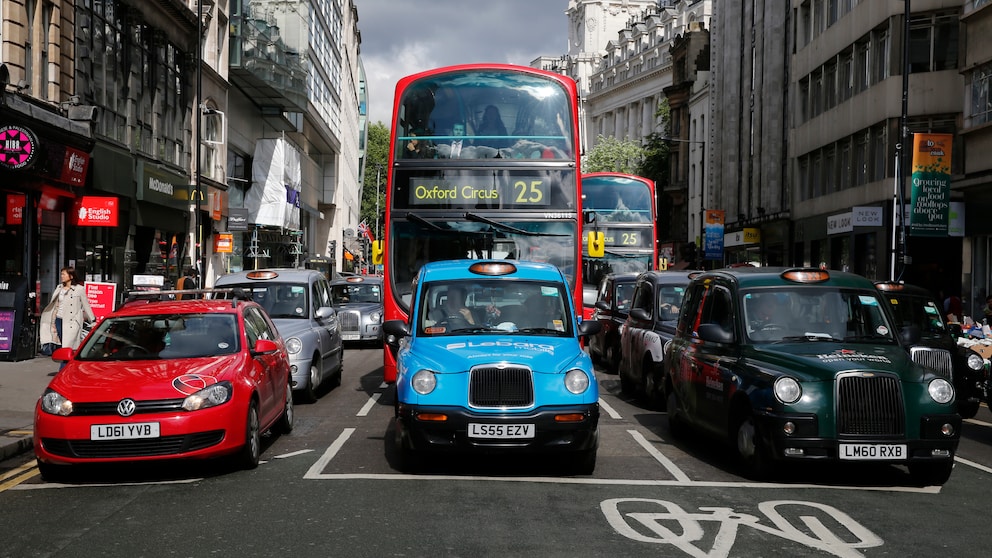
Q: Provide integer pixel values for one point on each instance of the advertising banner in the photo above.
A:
(101, 297)
(224, 243)
(713, 227)
(97, 211)
(15, 209)
(931, 185)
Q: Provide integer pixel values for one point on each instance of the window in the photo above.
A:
(933, 42)
(981, 103)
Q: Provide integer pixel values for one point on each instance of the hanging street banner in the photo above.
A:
(713, 228)
(931, 180)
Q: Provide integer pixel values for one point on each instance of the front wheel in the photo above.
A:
(288, 418)
(968, 408)
(252, 450)
(931, 473)
(676, 422)
(750, 447)
(585, 462)
(313, 383)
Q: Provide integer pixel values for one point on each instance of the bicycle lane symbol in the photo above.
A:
(681, 529)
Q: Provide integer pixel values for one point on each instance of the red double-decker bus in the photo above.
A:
(622, 208)
(483, 163)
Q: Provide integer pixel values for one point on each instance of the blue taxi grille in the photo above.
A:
(870, 405)
(491, 386)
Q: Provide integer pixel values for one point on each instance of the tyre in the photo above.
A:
(612, 359)
(676, 422)
(931, 473)
(627, 384)
(337, 377)
(407, 460)
(288, 418)
(585, 462)
(252, 450)
(54, 473)
(750, 447)
(968, 408)
(309, 393)
(654, 396)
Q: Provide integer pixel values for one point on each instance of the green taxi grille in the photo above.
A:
(870, 405)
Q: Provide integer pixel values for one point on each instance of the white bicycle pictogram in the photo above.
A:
(681, 529)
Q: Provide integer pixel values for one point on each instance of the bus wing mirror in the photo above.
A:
(377, 252)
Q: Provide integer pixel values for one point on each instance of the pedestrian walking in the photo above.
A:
(63, 318)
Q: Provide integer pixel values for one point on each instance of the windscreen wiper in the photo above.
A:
(413, 217)
(507, 228)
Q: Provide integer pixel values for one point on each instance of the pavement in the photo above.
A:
(21, 384)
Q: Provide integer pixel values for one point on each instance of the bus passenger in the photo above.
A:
(492, 125)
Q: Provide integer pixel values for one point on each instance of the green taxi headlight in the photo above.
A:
(576, 381)
(423, 382)
(941, 390)
(788, 390)
(975, 361)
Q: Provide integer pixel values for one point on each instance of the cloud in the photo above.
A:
(400, 38)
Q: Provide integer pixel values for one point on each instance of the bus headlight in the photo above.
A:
(788, 390)
(941, 390)
(423, 382)
(576, 381)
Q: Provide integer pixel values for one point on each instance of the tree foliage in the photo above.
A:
(376, 159)
(614, 155)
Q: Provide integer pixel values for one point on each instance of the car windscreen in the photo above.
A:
(280, 300)
(815, 313)
(484, 307)
(356, 292)
(919, 311)
(162, 336)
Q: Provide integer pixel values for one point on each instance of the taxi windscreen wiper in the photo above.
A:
(507, 228)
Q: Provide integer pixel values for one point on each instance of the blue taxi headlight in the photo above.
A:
(55, 403)
(576, 381)
(210, 396)
(294, 345)
(423, 382)
(975, 361)
(788, 390)
(941, 390)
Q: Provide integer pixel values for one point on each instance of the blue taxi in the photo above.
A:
(490, 360)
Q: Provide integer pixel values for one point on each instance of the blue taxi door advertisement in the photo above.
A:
(713, 229)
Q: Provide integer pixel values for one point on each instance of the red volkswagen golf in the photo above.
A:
(192, 378)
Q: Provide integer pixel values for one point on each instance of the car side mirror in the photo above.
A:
(324, 312)
(715, 333)
(911, 334)
(263, 346)
(603, 305)
(640, 314)
(955, 330)
(396, 328)
(589, 327)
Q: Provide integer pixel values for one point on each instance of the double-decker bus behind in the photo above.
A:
(622, 208)
(483, 163)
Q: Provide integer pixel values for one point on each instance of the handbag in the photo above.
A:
(48, 349)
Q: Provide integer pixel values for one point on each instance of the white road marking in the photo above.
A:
(978, 466)
(610, 410)
(660, 457)
(316, 468)
(979, 422)
(369, 405)
(48, 485)
(292, 454)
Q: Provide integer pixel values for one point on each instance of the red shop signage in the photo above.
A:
(96, 211)
(74, 166)
(15, 209)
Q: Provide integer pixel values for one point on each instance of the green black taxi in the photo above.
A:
(792, 364)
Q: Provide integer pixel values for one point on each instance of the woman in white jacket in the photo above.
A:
(63, 318)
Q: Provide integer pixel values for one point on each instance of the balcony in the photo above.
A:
(264, 68)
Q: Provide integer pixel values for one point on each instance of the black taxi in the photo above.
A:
(791, 364)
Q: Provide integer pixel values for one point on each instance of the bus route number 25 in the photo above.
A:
(530, 192)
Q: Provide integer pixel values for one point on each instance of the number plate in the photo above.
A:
(350, 337)
(877, 452)
(501, 431)
(132, 431)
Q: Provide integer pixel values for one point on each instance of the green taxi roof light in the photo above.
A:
(806, 275)
(889, 286)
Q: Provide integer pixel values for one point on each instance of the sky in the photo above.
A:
(400, 37)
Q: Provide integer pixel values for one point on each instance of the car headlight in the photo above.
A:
(210, 396)
(294, 345)
(941, 390)
(788, 390)
(576, 381)
(423, 382)
(55, 403)
(375, 317)
(975, 361)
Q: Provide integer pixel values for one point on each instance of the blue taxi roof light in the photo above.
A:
(492, 268)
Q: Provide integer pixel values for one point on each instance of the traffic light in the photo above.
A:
(334, 248)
